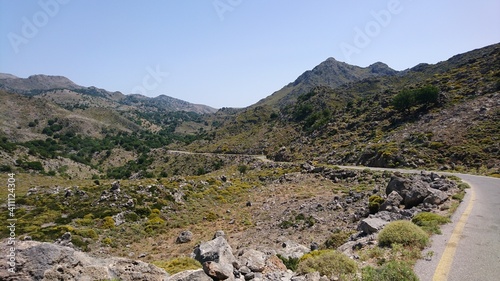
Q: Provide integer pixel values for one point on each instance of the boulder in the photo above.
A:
(371, 225)
(397, 184)
(291, 249)
(254, 260)
(388, 216)
(218, 271)
(392, 202)
(217, 258)
(416, 194)
(275, 264)
(219, 233)
(436, 197)
(217, 250)
(119, 219)
(190, 275)
(413, 191)
(184, 237)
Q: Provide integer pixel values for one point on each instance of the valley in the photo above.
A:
(125, 175)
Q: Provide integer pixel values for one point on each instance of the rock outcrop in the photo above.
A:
(47, 262)
(219, 263)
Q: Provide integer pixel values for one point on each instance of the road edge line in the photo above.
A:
(444, 265)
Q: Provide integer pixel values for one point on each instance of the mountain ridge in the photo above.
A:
(331, 73)
(334, 113)
(357, 123)
(36, 85)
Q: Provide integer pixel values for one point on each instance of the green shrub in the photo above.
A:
(35, 165)
(242, 169)
(402, 232)
(211, 216)
(463, 186)
(87, 233)
(406, 99)
(177, 265)
(430, 222)
(459, 196)
(374, 203)
(87, 220)
(327, 262)
(337, 239)
(286, 224)
(290, 263)
(5, 168)
(107, 241)
(142, 211)
(391, 271)
(79, 242)
(108, 223)
(131, 217)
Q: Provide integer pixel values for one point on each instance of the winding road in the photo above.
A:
(469, 247)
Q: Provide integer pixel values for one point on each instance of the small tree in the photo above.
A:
(427, 95)
(406, 99)
(403, 101)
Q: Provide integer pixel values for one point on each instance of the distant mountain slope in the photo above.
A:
(439, 116)
(35, 83)
(343, 114)
(64, 92)
(28, 117)
(331, 73)
(7, 76)
(163, 102)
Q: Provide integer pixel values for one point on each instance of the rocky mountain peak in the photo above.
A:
(330, 73)
(381, 69)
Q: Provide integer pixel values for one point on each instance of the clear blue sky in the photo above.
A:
(230, 53)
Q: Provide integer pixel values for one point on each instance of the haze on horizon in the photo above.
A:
(230, 53)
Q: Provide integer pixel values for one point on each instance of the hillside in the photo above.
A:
(35, 83)
(360, 123)
(64, 92)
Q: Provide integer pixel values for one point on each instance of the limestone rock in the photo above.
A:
(392, 202)
(254, 260)
(292, 249)
(184, 237)
(436, 197)
(46, 261)
(190, 275)
(371, 225)
(219, 233)
(218, 271)
(217, 258)
(413, 190)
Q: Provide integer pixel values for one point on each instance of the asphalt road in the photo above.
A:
(469, 248)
